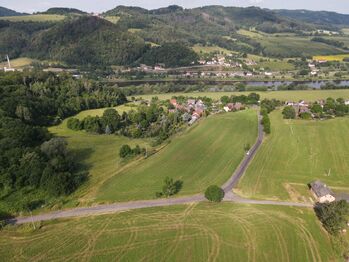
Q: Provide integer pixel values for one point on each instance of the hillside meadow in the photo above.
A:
(296, 153)
(206, 154)
(197, 232)
(99, 155)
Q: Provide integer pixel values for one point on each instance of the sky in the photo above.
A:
(30, 6)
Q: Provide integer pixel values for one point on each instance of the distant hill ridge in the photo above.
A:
(8, 12)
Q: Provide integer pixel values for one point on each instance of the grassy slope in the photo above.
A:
(207, 154)
(281, 95)
(18, 62)
(296, 153)
(99, 153)
(33, 18)
(204, 232)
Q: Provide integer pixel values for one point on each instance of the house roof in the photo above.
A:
(320, 189)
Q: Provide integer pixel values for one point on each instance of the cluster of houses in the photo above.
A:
(304, 107)
(313, 70)
(194, 109)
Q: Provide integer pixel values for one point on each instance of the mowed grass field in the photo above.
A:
(203, 232)
(206, 154)
(99, 155)
(34, 18)
(308, 95)
(296, 153)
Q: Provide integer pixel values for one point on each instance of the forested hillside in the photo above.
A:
(330, 19)
(135, 33)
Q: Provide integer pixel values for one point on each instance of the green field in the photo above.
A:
(100, 111)
(204, 232)
(296, 153)
(308, 95)
(278, 65)
(211, 49)
(98, 153)
(34, 18)
(206, 154)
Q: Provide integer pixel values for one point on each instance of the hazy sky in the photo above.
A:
(29, 6)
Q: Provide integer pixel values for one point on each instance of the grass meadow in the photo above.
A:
(202, 232)
(308, 95)
(296, 153)
(206, 154)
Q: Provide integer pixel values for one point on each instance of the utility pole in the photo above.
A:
(8, 62)
(31, 215)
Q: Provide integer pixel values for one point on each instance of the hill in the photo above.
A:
(63, 11)
(8, 12)
(87, 40)
(330, 19)
(77, 39)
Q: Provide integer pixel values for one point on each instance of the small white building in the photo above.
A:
(322, 192)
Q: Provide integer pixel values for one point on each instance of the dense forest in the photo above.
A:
(31, 159)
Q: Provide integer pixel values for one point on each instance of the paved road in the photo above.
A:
(112, 208)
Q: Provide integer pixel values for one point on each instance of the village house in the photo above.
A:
(232, 107)
(322, 192)
(346, 102)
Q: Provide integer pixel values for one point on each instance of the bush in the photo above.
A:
(289, 112)
(125, 151)
(214, 193)
(170, 188)
(74, 124)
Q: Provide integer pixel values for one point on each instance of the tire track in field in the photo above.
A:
(91, 244)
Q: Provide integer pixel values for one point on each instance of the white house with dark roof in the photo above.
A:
(322, 192)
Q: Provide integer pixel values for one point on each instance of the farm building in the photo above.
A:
(322, 192)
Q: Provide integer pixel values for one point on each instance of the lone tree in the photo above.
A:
(289, 112)
(214, 193)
